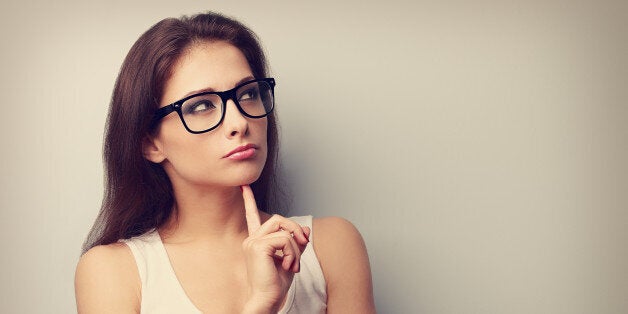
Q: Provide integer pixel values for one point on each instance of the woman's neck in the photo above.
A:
(206, 215)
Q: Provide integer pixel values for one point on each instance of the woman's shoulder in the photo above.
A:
(343, 258)
(336, 227)
(107, 277)
(337, 243)
(106, 264)
(106, 256)
(107, 250)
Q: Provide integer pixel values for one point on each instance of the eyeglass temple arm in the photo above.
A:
(162, 112)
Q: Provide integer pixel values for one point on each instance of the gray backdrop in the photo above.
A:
(480, 147)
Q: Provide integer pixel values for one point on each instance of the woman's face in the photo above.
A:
(203, 159)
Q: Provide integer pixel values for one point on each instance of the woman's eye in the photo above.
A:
(200, 107)
(251, 94)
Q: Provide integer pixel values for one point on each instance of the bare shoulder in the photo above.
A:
(106, 256)
(344, 260)
(336, 240)
(107, 280)
(335, 228)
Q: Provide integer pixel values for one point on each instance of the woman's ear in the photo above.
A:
(152, 150)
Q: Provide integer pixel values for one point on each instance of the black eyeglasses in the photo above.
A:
(205, 111)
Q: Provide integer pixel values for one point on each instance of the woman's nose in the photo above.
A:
(234, 124)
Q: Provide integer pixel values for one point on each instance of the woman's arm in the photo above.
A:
(343, 258)
(107, 281)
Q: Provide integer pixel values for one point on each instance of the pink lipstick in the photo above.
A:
(242, 152)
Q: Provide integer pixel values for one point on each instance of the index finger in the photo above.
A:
(253, 221)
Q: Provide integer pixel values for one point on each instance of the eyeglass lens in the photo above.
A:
(204, 112)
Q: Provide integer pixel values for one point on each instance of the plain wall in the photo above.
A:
(479, 146)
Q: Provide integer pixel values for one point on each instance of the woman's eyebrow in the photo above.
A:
(209, 89)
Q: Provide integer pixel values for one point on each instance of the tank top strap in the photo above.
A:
(161, 290)
(308, 293)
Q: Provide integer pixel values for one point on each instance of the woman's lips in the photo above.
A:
(242, 152)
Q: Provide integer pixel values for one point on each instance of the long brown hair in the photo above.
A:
(138, 195)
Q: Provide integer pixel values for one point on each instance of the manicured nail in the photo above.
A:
(307, 234)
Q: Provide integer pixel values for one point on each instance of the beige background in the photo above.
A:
(480, 148)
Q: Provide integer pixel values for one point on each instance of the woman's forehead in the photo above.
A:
(206, 66)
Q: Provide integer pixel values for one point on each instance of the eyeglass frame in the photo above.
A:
(224, 97)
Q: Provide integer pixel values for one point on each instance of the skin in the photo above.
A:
(218, 235)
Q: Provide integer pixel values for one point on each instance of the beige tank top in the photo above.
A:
(162, 292)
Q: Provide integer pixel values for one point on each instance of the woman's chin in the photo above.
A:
(247, 179)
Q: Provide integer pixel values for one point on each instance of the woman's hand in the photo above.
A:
(273, 253)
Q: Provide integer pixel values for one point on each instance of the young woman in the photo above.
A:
(190, 153)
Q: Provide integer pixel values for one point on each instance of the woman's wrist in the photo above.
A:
(259, 303)
(252, 307)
